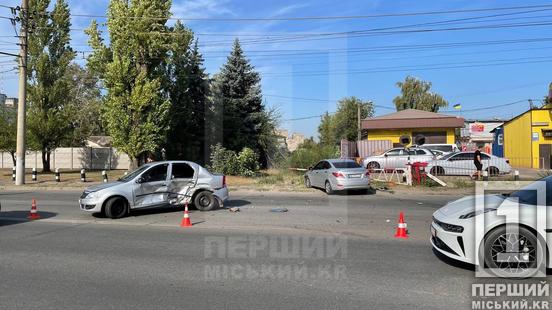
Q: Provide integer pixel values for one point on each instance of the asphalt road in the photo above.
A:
(324, 253)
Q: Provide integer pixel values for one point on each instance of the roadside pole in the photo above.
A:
(359, 123)
(21, 108)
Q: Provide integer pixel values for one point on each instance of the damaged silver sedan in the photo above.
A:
(157, 184)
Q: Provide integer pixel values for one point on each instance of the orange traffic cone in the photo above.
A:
(401, 228)
(186, 219)
(33, 214)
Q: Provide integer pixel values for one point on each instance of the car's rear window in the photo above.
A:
(345, 164)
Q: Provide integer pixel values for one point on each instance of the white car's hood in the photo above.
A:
(102, 186)
(466, 205)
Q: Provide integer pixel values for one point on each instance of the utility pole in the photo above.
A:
(359, 124)
(21, 107)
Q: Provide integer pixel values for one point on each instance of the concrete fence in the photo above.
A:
(73, 158)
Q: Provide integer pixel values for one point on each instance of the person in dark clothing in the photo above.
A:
(478, 163)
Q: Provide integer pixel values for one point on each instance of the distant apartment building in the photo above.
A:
(8, 101)
(290, 142)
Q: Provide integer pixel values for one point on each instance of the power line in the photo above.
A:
(305, 18)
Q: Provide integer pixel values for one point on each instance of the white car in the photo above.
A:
(398, 158)
(453, 230)
(445, 148)
(461, 163)
(337, 175)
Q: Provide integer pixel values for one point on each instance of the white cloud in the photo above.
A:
(201, 8)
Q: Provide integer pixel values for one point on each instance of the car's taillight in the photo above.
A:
(338, 174)
(223, 181)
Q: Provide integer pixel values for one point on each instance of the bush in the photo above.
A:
(248, 162)
(310, 152)
(224, 161)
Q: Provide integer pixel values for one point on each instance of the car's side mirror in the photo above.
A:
(310, 168)
(385, 155)
(140, 180)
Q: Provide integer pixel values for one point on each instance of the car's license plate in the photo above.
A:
(433, 231)
(354, 176)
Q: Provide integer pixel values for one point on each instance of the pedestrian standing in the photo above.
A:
(478, 163)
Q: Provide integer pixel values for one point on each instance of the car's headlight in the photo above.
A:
(449, 227)
(89, 195)
(475, 213)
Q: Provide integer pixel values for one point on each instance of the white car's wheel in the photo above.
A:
(493, 171)
(373, 165)
(116, 207)
(328, 188)
(205, 201)
(513, 252)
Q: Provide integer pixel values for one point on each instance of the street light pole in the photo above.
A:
(21, 107)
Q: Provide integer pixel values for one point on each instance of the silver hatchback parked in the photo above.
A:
(337, 175)
(155, 184)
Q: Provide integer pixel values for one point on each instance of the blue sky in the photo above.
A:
(315, 71)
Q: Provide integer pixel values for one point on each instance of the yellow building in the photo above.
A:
(528, 139)
(435, 127)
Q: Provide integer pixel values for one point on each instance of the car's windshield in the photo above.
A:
(346, 164)
(133, 174)
(528, 194)
(449, 155)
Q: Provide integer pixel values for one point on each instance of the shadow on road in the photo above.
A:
(356, 192)
(453, 262)
(237, 203)
(17, 217)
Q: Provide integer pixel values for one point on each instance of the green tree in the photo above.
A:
(243, 112)
(84, 103)
(133, 70)
(49, 58)
(416, 94)
(189, 92)
(8, 130)
(343, 124)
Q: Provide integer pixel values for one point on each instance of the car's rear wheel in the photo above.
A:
(116, 207)
(513, 252)
(328, 188)
(437, 170)
(373, 165)
(493, 171)
(308, 182)
(205, 201)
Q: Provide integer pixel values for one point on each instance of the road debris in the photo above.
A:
(279, 210)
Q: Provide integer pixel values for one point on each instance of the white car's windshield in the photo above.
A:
(528, 194)
(133, 174)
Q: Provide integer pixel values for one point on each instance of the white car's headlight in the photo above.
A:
(92, 195)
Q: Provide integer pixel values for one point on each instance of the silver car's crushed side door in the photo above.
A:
(182, 187)
(151, 193)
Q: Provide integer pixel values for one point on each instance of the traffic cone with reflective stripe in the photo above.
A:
(186, 219)
(401, 228)
(33, 214)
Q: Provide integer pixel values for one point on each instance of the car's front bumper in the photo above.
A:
(458, 246)
(92, 205)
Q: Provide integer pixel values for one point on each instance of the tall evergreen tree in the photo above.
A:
(49, 58)
(189, 91)
(243, 110)
(136, 105)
